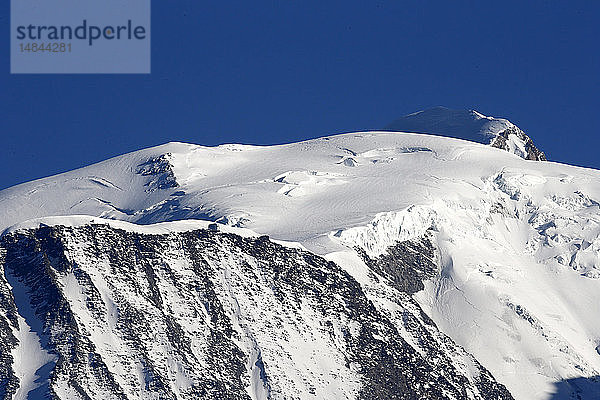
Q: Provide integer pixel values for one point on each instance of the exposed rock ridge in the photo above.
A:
(531, 152)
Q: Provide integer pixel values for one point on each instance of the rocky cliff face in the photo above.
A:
(213, 315)
(8, 322)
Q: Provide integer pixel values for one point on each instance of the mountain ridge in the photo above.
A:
(377, 362)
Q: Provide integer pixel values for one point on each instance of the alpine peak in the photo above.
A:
(470, 125)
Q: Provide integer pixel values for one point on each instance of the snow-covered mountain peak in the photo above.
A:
(470, 125)
(492, 258)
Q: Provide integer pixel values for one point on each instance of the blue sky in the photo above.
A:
(266, 72)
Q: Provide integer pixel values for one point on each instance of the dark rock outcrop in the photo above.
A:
(531, 152)
(406, 264)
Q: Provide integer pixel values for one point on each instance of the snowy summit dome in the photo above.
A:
(469, 125)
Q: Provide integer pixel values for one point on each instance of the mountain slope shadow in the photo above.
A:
(577, 389)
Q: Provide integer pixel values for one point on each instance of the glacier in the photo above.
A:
(501, 253)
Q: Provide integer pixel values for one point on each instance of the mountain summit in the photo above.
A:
(470, 125)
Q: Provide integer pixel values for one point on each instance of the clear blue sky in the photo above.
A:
(273, 72)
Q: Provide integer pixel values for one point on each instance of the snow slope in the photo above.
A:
(517, 241)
